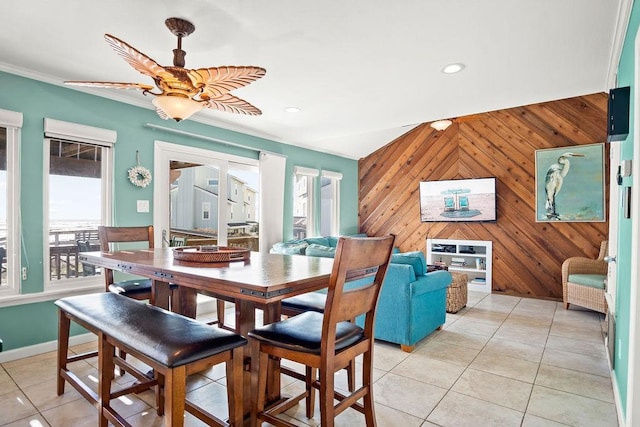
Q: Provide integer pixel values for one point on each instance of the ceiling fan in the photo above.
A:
(181, 91)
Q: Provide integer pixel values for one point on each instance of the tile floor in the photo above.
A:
(501, 361)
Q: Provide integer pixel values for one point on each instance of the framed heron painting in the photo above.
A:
(570, 184)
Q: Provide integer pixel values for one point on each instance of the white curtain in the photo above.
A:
(272, 174)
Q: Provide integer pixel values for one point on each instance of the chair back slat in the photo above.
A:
(125, 234)
(122, 235)
(355, 302)
(354, 255)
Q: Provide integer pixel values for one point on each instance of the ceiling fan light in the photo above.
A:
(177, 107)
(441, 124)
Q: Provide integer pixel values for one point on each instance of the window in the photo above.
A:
(10, 124)
(330, 203)
(303, 202)
(208, 213)
(206, 209)
(77, 194)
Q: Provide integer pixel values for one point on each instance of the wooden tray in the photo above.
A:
(206, 254)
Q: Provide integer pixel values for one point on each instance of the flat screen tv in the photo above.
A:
(460, 200)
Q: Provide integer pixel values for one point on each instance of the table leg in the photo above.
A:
(245, 321)
(271, 313)
(160, 294)
(187, 301)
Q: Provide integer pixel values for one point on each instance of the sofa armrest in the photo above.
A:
(403, 273)
(396, 290)
(430, 282)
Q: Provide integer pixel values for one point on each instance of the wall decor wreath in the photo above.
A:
(139, 175)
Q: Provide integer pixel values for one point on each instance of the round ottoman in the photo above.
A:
(457, 292)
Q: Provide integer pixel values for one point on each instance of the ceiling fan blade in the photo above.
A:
(116, 85)
(218, 81)
(232, 104)
(468, 118)
(138, 60)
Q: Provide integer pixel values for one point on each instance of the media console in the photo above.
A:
(472, 257)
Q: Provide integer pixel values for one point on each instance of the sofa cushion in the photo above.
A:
(292, 247)
(591, 280)
(320, 250)
(333, 241)
(324, 241)
(415, 259)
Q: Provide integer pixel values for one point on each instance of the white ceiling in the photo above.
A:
(362, 71)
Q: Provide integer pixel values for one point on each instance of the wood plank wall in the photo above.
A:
(527, 255)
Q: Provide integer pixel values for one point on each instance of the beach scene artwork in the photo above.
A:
(458, 200)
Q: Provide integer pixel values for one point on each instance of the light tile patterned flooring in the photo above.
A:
(501, 361)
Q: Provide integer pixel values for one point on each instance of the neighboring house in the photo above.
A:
(194, 197)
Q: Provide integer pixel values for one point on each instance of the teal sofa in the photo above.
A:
(412, 301)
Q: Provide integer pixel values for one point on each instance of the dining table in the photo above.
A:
(258, 281)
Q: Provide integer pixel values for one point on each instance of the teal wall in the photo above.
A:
(626, 72)
(30, 324)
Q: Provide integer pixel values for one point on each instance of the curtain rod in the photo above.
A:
(208, 138)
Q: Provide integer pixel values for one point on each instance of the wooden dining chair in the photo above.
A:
(327, 342)
(312, 301)
(139, 289)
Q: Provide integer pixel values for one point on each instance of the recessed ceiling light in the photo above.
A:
(292, 110)
(453, 68)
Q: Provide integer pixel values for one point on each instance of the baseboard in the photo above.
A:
(614, 383)
(616, 399)
(45, 347)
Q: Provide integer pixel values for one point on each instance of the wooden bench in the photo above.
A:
(173, 345)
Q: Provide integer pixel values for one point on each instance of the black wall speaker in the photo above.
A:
(618, 114)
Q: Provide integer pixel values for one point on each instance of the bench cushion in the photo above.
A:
(591, 280)
(168, 338)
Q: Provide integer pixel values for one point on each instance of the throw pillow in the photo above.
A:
(415, 259)
(292, 247)
(321, 251)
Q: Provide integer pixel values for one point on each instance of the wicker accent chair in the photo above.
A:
(583, 281)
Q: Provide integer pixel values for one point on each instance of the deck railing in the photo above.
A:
(64, 247)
